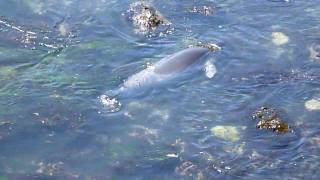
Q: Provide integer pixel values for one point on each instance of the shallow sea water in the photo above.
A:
(57, 57)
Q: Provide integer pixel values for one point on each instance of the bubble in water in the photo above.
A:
(210, 69)
(110, 103)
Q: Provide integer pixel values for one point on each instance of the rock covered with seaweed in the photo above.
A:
(268, 118)
(204, 10)
(146, 18)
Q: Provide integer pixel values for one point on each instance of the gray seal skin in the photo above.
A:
(180, 60)
(167, 68)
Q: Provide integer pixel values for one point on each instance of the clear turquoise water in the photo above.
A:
(52, 125)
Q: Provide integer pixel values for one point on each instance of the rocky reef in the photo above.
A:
(268, 118)
(145, 17)
(205, 10)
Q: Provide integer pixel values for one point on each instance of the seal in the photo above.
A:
(178, 65)
(167, 68)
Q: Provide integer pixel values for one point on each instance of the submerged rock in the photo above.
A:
(312, 105)
(268, 119)
(6, 127)
(7, 72)
(145, 17)
(188, 169)
(49, 169)
(279, 38)
(30, 37)
(146, 134)
(314, 51)
(205, 10)
(228, 133)
(64, 29)
(235, 148)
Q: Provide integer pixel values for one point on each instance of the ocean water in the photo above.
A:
(59, 57)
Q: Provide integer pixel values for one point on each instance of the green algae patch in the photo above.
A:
(19, 54)
(36, 7)
(54, 56)
(93, 45)
(106, 46)
(57, 79)
(236, 148)
(6, 72)
(314, 51)
(227, 133)
(312, 105)
(56, 59)
(4, 178)
(279, 38)
(118, 150)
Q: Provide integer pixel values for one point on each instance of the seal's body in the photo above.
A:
(167, 68)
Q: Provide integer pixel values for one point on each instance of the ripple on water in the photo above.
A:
(57, 56)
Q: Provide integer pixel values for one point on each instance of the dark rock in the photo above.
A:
(268, 119)
(205, 10)
(145, 17)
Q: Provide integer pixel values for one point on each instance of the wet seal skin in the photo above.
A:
(165, 69)
(180, 60)
(268, 119)
(177, 65)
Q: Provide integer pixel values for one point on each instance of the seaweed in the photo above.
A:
(228, 133)
(145, 17)
(268, 118)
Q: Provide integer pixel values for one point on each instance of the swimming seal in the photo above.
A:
(162, 71)
(178, 65)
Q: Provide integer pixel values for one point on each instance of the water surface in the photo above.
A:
(58, 56)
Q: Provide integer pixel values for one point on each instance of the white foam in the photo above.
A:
(210, 69)
(112, 104)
